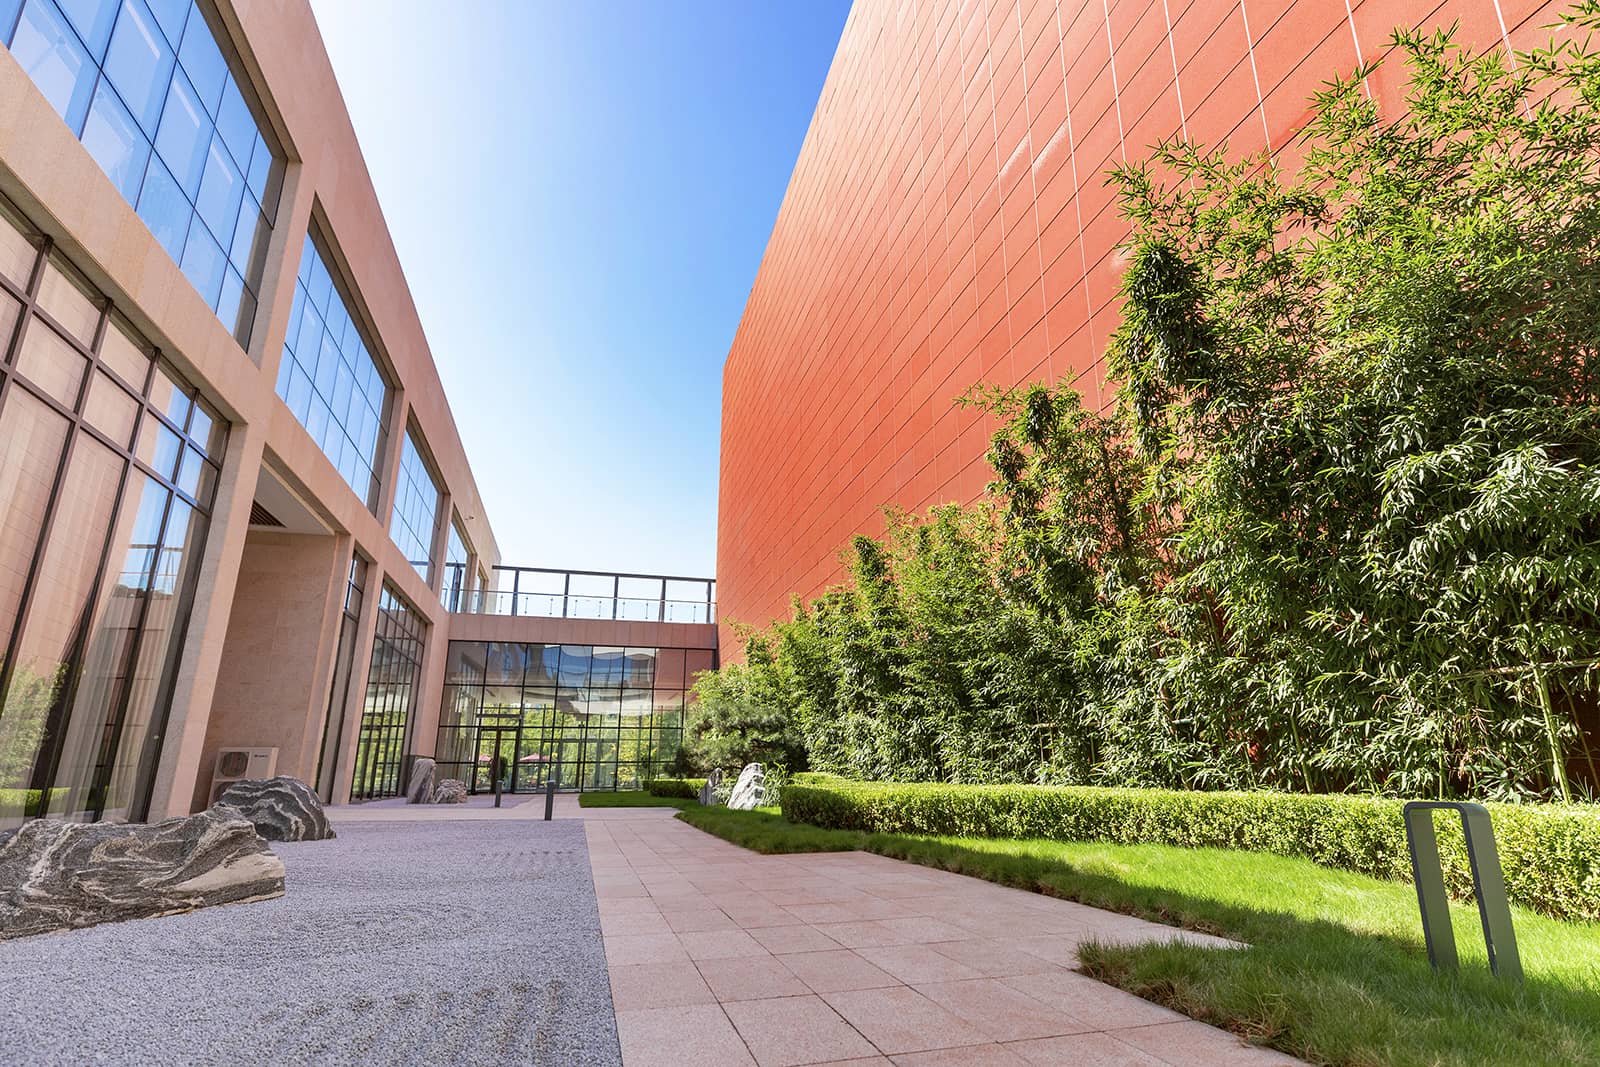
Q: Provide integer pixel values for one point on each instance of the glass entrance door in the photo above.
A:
(495, 741)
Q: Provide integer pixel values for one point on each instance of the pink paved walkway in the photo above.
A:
(722, 956)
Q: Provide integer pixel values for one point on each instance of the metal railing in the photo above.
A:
(554, 594)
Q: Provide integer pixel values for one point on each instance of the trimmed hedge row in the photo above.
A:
(1550, 853)
(677, 788)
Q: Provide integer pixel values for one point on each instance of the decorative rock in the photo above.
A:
(450, 791)
(282, 808)
(420, 791)
(750, 791)
(59, 876)
(708, 792)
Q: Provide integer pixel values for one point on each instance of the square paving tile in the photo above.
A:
(644, 948)
(1194, 1044)
(1078, 1050)
(914, 964)
(720, 944)
(1098, 1005)
(835, 970)
(1002, 1013)
(782, 940)
(671, 1037)
(994, 959)
(968, 1056)
(693, 920)
(656, 985)
(751, 978)
(796, 1030)
(899, 1019)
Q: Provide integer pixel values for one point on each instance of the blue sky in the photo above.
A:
(580, 195)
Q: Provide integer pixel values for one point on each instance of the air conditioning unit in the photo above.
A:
(236, 764)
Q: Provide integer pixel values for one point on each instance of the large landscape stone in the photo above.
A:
(420, 791)
(59, 876)
(750, 791)
(281, 808)
(450, 791)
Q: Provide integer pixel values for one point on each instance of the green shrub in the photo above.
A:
(681, 788)
(1550, 853)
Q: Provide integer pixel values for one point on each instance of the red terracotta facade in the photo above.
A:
(948, 223)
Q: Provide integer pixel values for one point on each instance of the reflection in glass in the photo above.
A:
(608, 725)
(392, 679)
(98, 555)
(183, 101)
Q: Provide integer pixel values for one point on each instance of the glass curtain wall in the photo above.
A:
(146, 88)
(329, 379)
(343, 669)
(587, 717)
(397, 649)
(416, 509)
(108, 462)
(456, 589)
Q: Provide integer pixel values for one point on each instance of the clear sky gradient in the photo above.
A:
(580, 194)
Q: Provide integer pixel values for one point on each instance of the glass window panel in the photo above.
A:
(236, 124)
(170, 15)
(465, 662)
(669, 669)
(206, 428)
(92, 19)
(115, 142)
(416, 510)
(70, 301)
(139, 63)
(507, 663)
(231, 300)
(52, 364)
(164, 208)
(203, 261)
(177, 566)
(158, 447)
(18, 253)
(184, 136)
(248, 249)
(124, 354)
(50, 52)
(202, 60)
(221, 186)
(260, 168)
(10, 313)
(34, 712)
(110, 409)
(32, 437)
(169, 395)
(189, 472)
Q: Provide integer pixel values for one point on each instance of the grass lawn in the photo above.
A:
(631, 798)
(1337, 972)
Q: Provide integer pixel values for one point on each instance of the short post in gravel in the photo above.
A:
(1488, 886)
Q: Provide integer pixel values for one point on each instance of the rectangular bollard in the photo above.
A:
(1488, 886)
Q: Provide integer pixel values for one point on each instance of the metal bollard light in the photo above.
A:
(1488, 886)
(550, 793)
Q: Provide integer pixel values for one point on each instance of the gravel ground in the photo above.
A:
(397, 943)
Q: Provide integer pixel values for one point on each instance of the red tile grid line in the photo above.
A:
(948, 223)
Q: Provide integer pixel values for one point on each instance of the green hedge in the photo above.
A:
(681, 788)
(1550, 853)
